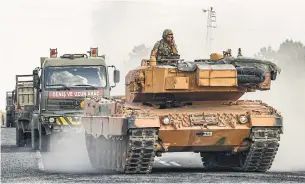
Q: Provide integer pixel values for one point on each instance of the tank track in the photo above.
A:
(259, 157)
(133, 153)
(263, 149)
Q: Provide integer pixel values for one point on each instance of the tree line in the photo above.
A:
(288, 51)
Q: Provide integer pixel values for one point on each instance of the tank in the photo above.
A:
(187, 106)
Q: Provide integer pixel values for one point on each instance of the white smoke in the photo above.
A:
(287, 95)
(68, 154)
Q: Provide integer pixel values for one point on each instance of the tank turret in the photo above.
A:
(219, 78)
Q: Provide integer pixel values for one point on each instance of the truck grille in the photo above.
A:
(64, 104)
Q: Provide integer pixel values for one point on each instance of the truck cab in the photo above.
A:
(62, 83)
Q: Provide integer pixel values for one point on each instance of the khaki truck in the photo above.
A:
(24, 100)
(173, 105)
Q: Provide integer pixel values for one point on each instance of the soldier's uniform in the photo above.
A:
(163, 47)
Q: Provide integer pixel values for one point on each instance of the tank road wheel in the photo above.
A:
(258, 158)
(264, 146)
(208, 160)
(219, 160)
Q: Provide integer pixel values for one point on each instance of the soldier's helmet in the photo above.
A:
(167, 32)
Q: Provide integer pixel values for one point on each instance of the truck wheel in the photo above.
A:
(28, 140)
(45, 143)
(20, 137)
(8, 120)
(35, 139)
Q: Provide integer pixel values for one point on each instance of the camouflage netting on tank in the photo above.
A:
(244, 63)
(266, 66)
(250, 75)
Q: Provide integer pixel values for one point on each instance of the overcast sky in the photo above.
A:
(28, 28)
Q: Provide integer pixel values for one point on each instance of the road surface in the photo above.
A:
(22, 165)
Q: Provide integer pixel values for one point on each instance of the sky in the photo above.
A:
(28, 29)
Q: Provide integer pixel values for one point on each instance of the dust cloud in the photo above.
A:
(287, 96)
(68, 154)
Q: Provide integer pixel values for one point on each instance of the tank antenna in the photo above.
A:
(211, 23)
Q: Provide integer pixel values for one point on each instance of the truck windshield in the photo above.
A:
(75, 76)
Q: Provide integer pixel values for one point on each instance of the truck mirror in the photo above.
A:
(35, 72)
(36, 82)
(116, 76)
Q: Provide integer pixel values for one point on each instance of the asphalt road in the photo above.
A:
(22, 165)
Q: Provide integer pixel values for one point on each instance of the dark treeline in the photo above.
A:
(288, 51)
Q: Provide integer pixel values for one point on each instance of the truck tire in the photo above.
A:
(9, 120)
(28, 139)
(20, 137)
(45, 143)
(35, 139)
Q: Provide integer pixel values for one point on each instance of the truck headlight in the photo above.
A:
(82, 104)
(51, 120)
(243, 119)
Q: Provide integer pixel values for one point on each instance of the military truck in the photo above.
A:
(10, 110)
(3, 118)
(23, 100)
(173, 105)
(61, 83)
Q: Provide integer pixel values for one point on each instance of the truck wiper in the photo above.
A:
(86, 85)
(62, 85)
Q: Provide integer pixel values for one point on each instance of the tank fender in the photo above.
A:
(105, 125)
(266, 120)
(144, 122)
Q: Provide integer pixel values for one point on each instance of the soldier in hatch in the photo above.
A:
(166, 47)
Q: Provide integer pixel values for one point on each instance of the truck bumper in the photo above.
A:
(71, 124)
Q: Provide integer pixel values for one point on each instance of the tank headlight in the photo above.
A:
(243, 119)
(166, 120)
(51, 120)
